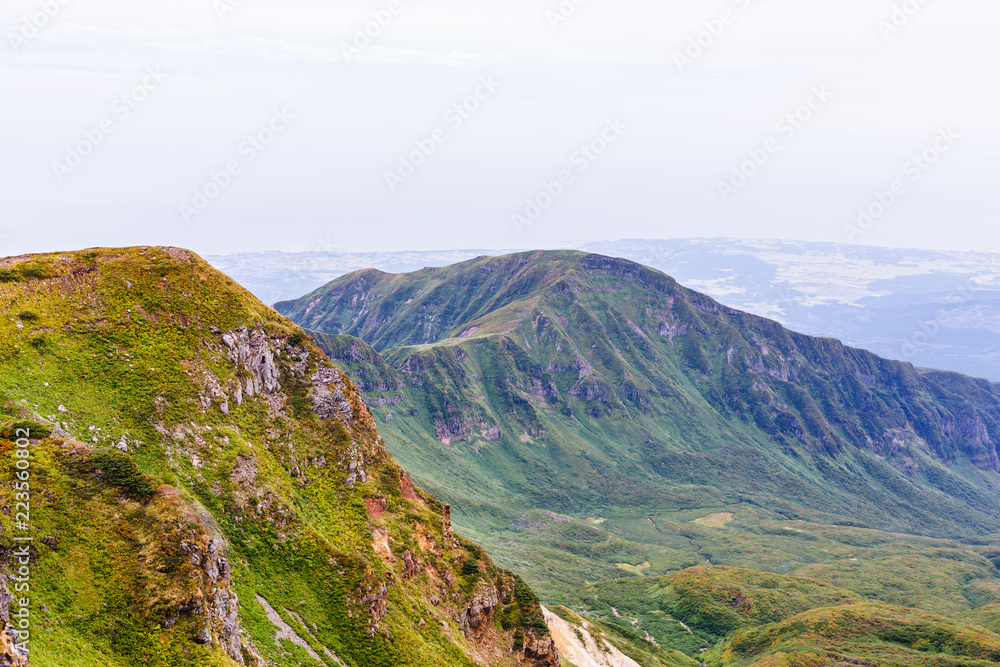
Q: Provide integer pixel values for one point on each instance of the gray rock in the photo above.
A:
(252, 350)
(328, 395)
(5, 599)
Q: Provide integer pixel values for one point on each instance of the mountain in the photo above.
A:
(936, 309)
(188, 480)
(276, 276)
(597, 425)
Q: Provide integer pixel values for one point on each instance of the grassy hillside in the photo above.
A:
(597, 424)
(727, 616)
(206, 488)
(869, 634)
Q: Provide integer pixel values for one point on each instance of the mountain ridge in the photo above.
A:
(937, 309)
(555, 389)
(374, 323)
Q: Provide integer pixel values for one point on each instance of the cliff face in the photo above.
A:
(208, 488)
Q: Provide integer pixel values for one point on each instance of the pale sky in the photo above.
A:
(327, 129)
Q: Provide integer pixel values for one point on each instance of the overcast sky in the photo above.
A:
(120, 119)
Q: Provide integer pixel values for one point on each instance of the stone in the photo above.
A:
(328, 395)
(251, 349)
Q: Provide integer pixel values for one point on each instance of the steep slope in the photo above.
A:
(588, 643)
(498, 352)
(592, 419)
(206, 488)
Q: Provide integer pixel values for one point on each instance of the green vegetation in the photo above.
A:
(865, 633)
(191, 448)
(119, 470)
(625, 639)
(601, 429)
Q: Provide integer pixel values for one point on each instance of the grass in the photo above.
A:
(134, 358)
(869, 633)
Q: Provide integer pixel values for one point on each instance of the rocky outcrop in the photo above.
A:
(968, 432)
(328, 397)
(11, 654)
(540, 651)
(578, 645)
(250, 349)
(214, 604)
(5, 599)
(480, 610)
(477, 621)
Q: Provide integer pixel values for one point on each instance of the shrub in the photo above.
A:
(508, 617)
(31, 270)
(526, 597)
(692, 353)
(14, 430)
(40, 343)
(120, 470)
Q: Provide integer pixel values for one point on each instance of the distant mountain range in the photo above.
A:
(934, 309)
(599, 427)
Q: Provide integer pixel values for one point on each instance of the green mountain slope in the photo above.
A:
(201, 486)
(592, 420)
(610, 380)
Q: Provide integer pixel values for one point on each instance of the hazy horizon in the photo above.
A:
(233, 126)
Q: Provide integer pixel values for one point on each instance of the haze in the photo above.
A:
(540, 90)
